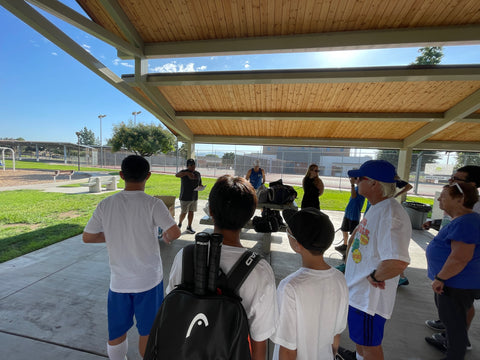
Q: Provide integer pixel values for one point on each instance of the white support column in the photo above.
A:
(404, 163)
(190, 146)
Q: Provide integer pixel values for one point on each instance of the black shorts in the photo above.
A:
(348, 225)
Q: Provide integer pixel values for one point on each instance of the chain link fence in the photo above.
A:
(429, 170)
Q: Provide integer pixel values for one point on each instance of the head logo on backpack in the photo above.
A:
(199, 319)
(203, 318)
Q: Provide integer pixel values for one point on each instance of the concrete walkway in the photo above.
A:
(53, 301)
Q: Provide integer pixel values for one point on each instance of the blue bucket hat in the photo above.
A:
(379, 170)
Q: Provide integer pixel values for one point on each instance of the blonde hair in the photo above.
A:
(388, 189)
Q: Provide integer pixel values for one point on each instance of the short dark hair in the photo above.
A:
(190, 162)
(470, 193)
(232, 202)
(135, 168)
(473, 172)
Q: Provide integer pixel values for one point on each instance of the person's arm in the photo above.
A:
(172, 233)
(319, 185)
(387, 269)
(263, 176)
(287, 354)
(336, 343)
(460, 256)
(91, 238)
(183, 173)
(350, 239)
(259, 349)
(353, 193)
(249, 172)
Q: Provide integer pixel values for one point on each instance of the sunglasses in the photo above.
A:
(458, 187)
(316, 170)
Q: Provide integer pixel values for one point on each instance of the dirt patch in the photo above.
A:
(28, 177)
(69, 215)
(30, 226)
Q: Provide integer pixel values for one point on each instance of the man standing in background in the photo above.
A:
(191, 179)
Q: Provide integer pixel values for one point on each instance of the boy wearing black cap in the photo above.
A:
(313, 301)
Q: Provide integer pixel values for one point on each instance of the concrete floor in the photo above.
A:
(53, 301)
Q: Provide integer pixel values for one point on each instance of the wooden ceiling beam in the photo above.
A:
(314, 76)
(73, 18)
(464, 108)
(327, 116)
(123, 22)
(343, 40)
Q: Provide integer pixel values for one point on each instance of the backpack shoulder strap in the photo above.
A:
(242, 268)
(187, 266)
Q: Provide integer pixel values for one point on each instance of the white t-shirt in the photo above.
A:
(383, 234)
(257, 292)
(476, 207)
(130, 221)
(313, 307)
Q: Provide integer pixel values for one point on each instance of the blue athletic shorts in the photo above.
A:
(122, 307)
(365, 329)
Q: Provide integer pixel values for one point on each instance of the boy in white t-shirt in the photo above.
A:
(232, 203)
(313, 301)
(128, 223)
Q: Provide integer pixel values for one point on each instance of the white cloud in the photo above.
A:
(87, 48)
(119, 62)
(247, 65)
(174, 67)
(54, 54)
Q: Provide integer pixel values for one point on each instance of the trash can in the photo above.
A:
(417, 212)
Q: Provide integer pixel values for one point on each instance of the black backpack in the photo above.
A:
(266, 223)
(203, 318)
(281, 193)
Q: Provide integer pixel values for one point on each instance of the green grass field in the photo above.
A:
(31, 220)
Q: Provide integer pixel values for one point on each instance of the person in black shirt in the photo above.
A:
(191, 179)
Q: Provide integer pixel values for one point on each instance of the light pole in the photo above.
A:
(78, 133)
(135, 113)
(101, 139)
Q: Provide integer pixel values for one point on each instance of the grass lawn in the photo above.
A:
(30, 219)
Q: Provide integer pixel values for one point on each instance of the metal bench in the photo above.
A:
(69, 173)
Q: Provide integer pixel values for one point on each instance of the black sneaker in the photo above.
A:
(190, 230)
(437, 344)
(435, 325)
(441, 337)
(341, 248)
(344, 354)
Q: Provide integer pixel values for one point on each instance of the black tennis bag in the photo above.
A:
(281, 193)
(203, 318)
(266, 223)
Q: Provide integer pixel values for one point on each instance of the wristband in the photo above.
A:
(372, 275)
(439, 279)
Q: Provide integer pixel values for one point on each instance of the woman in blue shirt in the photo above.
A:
(453, 259)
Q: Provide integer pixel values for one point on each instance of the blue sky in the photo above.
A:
(46, 95)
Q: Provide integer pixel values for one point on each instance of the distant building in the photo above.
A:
(330, 161)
